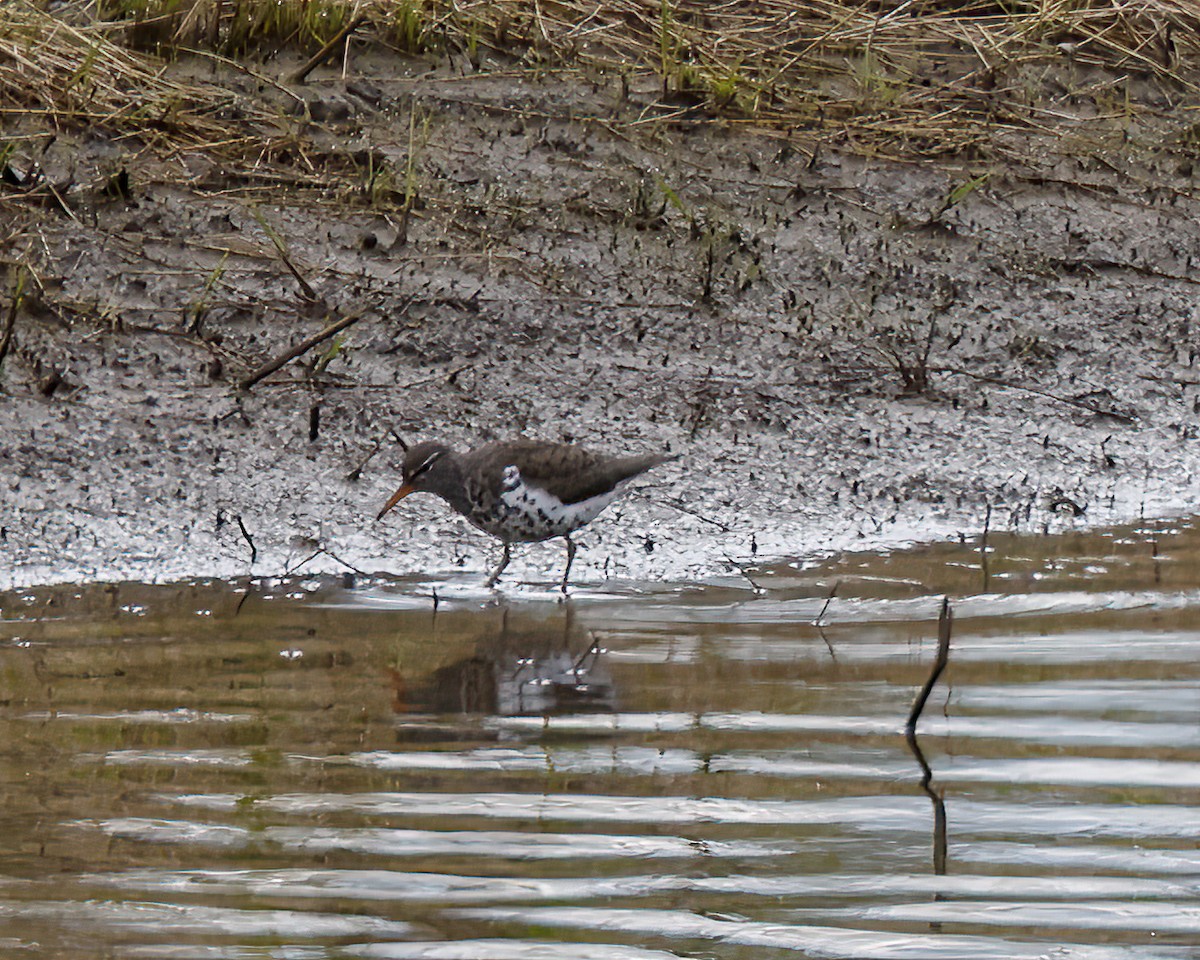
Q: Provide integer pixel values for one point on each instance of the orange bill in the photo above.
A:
(399, 495)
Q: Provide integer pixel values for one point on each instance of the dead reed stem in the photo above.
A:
(914, 79)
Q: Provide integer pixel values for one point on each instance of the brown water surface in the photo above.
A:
(315, 769)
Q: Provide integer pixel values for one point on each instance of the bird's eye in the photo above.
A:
(425, 465)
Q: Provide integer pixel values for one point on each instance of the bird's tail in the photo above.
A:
(631, 466)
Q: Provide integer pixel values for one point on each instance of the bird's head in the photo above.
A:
(425, 470)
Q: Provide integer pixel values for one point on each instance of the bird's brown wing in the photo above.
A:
(565, 471)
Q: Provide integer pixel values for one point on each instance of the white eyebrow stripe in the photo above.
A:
(428, 462)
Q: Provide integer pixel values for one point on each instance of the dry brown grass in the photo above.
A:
(904, 77)
(900, 77)
(61, 72)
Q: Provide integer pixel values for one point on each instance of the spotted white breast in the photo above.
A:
(529, 513)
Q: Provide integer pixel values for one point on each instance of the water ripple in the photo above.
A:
(819, 941)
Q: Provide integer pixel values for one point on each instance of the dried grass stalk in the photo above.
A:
(62, 74)
(905, 77)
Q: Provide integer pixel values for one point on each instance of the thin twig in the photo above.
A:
(306, 290)
(910, 736)
(354, 474)
(821, 616)
(1091, 408)
(945, 619)
(299, 349)
(249, 539)
(302, 74)
(983, 547)
(10, 321)
(828, 600)
(288, 571)
(323, 551)
(678, 505)
(349, 566)
(758, 589)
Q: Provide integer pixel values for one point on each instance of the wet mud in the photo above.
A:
(846, 351)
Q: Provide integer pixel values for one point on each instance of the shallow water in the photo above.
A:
(320, 769)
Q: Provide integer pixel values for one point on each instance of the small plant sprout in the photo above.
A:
(960, 193)
(337, 348)
(411, 191)
(380, 183)
(410, 23)
(199, 307)
(667, 62)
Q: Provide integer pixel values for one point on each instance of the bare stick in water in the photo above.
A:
(939, 664)
(983, 548)
(819, 623)
(828, 600)
(939, 805)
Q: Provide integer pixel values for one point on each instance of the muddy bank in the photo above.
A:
(846, 351)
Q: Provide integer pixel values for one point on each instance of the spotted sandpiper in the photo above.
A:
(521, 491)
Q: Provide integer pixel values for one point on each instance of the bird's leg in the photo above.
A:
(491, 581)
(570, 558)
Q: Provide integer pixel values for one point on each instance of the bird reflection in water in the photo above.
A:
(523, 673)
